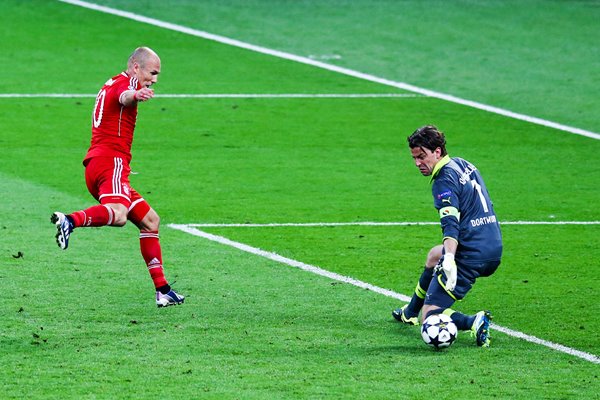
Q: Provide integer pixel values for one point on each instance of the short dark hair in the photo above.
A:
(429, 137)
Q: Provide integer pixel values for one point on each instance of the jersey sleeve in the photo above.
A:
(446, 200)
(122, 86)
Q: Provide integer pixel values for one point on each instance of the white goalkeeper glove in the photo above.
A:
(449, 267)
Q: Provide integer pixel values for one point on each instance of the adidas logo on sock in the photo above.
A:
(154, 263)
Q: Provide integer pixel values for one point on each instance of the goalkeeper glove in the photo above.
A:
(449, 267)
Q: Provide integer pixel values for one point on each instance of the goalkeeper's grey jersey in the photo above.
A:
(466, 211)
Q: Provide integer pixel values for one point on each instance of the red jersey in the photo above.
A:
(112, 122)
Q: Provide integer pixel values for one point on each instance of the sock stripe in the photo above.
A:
(420, 292)
(148, 235)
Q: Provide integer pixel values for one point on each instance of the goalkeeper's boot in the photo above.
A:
(169, 299)
(481, 328)
(400, 315)
(64, 227)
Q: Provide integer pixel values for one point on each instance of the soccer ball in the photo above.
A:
(439, 331)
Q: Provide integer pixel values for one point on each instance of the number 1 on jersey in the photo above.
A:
(477, 187)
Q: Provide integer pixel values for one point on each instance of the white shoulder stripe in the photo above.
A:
(133, 82)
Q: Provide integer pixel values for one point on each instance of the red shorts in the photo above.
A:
(107, 179)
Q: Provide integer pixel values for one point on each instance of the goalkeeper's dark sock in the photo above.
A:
(463, 322)
(418, 298)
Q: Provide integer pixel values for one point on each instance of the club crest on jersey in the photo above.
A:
(126, 189)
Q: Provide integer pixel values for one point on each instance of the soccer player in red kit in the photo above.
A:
(107, 168)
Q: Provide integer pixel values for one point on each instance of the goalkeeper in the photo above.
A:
(472, 241)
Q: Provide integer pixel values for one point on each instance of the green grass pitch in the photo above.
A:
(83, 324)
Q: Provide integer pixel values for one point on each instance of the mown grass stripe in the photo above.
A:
(333, 68)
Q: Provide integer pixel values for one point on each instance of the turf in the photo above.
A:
(83, 324)
(536, 57)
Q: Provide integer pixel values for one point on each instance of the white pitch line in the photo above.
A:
(367, 223)
(311, 224)
(555, 346)
(43, 95)
(389, 293)
(330, 67)
(228, 95)
(288, 261)
(550, 223)
(296, 95)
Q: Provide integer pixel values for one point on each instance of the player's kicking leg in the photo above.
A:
(98, 215)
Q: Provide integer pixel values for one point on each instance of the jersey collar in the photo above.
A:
(445, 160)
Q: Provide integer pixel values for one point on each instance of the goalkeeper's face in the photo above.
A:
(426, 159)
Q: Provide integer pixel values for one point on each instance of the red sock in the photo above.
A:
(150, 247)
(99, 215)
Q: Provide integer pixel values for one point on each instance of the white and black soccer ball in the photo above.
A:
(439, 331)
